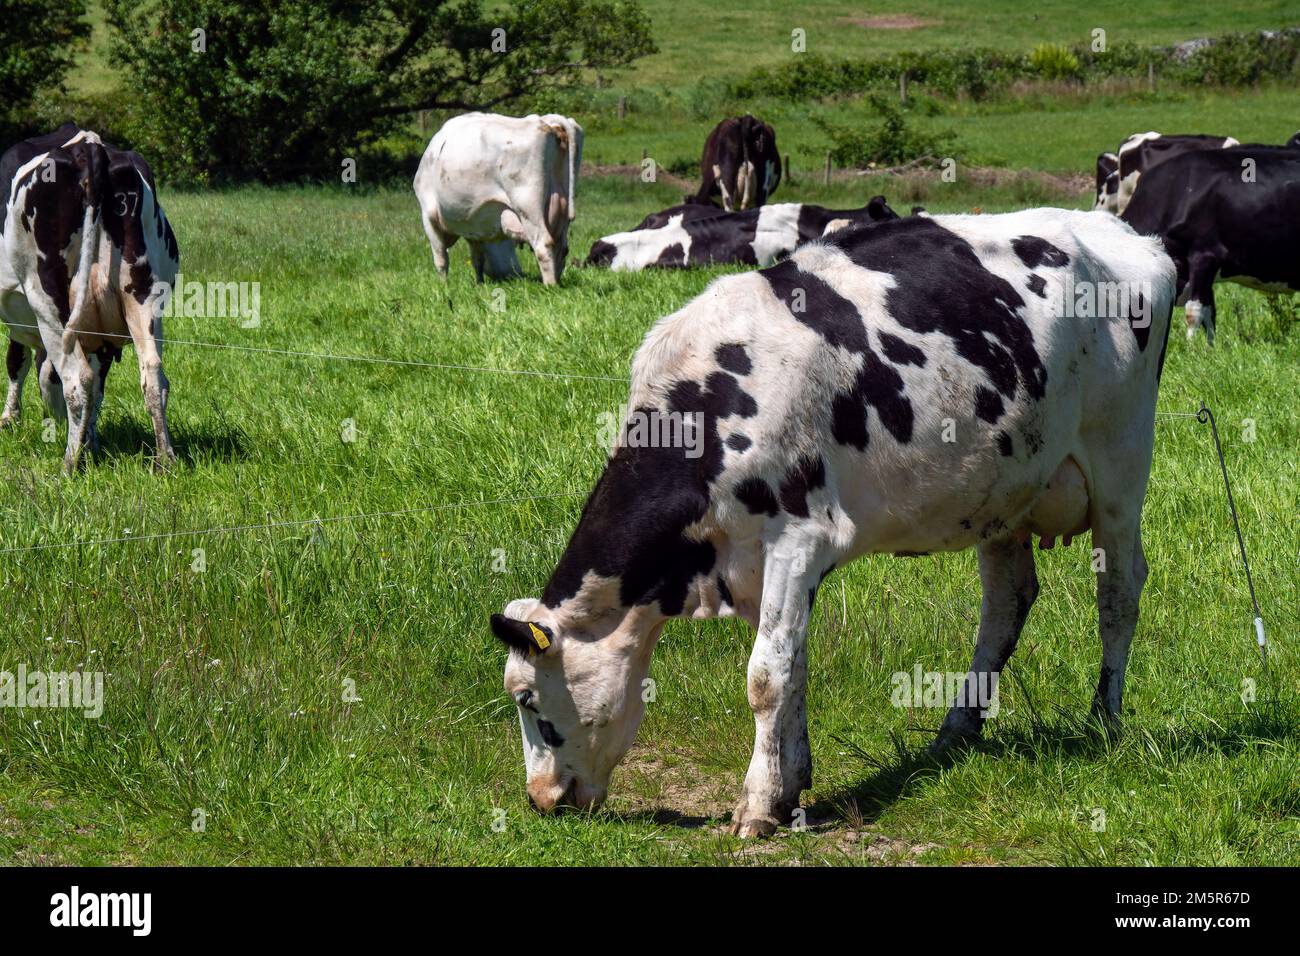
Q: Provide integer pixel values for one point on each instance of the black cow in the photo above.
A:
(1225, 213)
(1137, 155)
(741, 162)
(756, 237)
(87, 259)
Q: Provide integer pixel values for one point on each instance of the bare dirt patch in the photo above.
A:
(892, 21)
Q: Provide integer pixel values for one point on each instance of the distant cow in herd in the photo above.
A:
(1118, 173)
(691, 235)
(740, 163)
(87, 262)
(1224, 213)
(817, 392)
(497, 181)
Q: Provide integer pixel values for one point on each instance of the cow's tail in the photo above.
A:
(94, 179)
(574, 160)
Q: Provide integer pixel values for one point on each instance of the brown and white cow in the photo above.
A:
(497, 181)
(87, 261)
(918, 385)
(741, 163)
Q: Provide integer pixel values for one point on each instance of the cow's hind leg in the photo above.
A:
(1119, 590)
(781, 765)
(1200, 295)
(1010, 586)
(144, 320)
(439, 241)
(18, 362)
(80, 377)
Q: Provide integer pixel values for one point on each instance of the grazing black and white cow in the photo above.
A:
(756, 237)
(87, 261)
(1232, 214)
(1137, 155)
(926, 384)
(740, 162)
(497, 181)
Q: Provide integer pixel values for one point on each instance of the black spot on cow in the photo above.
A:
(837, 320)
(1034, 252)
(932, 268)
(812, 598)
(911, 554)
(633, 524)
(1140, 322)
(1033, 439)
(965, 523)
(602, 253)
(992, 529)
(900, 352)
(724, 592)
(807, 476)
(550, 734)
(756, 495)
(1004, 444)
(1037, 285)
(672, 257)
(734, 358)
(738, 442)
(988, 404)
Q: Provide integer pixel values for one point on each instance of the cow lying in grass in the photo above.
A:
(911, 387)
(693, 234)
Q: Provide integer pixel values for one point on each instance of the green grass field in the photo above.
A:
(225, 691)
(293, 621)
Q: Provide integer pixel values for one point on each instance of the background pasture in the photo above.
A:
(225, 689)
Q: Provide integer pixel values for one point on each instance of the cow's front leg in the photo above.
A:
(1010, 586)
(1199, 310)
(18, 362)
(781, 766)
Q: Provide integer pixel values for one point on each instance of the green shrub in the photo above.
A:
(1054, 62)
(892, 143)
(38, 43)
(289, 90)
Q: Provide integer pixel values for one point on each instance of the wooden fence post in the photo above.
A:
(622, 107)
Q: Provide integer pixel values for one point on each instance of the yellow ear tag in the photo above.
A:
(539, 636)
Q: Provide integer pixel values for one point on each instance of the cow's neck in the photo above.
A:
(630, 557)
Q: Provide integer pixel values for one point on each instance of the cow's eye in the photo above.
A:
(524, 698)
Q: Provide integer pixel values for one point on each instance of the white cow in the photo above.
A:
(497, 181)
(926, 384)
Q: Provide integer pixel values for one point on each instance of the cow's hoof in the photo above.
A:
(748, 827)
(952, 741)
(163, 463)
(7, 422)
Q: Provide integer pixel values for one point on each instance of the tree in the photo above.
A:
(38, 40)
(247, 89)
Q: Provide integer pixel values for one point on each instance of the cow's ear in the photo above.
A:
(522, 635)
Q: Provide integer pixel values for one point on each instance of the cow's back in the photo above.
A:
(859, 353)
(478, 164)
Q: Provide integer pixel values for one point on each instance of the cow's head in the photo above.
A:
(578, 692)
(1107, 181)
